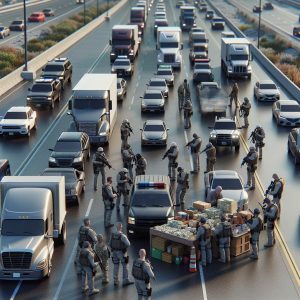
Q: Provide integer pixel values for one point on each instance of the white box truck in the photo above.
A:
(94, 106)
(169, 44)
(32, 218)
(236, 57)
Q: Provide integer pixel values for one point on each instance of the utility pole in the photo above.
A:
(258, 30)
(84, 8)
(97, 8)
(25, 37)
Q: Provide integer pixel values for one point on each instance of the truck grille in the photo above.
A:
(169, 58)
(10, 127)
(149, 222)
(89, 128)
(64, 162)
(240, 69)
(122, 52)
(16, 260)
(224, 139)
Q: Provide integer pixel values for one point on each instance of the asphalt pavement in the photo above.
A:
(269, 277)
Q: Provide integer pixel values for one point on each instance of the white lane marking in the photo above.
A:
(202, 282)
(132, 100)
(16, 290)
(66, 271)
(190, 155)
(13, 91)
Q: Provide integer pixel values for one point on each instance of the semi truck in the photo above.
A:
(138, 17)
(187, 17)
(124, 41)
(33, 213)
(169, 44)
(93, 106)
(236, 57)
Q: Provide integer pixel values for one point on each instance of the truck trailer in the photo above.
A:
(94, 106)
(138, 17)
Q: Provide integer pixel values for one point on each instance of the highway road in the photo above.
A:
(269, 277)
(62, 10)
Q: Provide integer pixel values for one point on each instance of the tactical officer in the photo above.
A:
(140, 165)
(86, 260)
(258, 139)
(85, 233)
(182, 185)
(123, 186)
(195, 145)
(255, 225)
(109, 195)
(245, 111)
(214, 195)
(204, 238)
(211, 157)
(125, 129)
(103, 253)
(119, 244)
(128, 159)
(142, 273)
(180, 92)
(223, 232)
(234, 95)
(99, 163)
(275, 189)
(187, 113)
(271, 213)
(251, 160)
(172, 154)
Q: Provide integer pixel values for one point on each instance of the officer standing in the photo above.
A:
(258, 137)
(251, 160)
(223, 232)
(234, 95)
(271, 213)
(245, 111)
(103, 253)
(275, 189)
(195, 145)
(214, 195)
(255, 225)
(182, 185)
(123, 186)
(99, 163)
(204, 238)
(128, 159)
(142, 274)
(86, 259)
(180, 92)
(85, 233)
(140, 165)
(187, 113)
(109, 196)
(172, 154)
(211, 157)
(125, 129)
(119, 244)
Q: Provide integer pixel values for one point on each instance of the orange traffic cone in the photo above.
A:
(193, 266)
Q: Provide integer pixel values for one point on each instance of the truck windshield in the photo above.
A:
(199, 48)
(22, 227)
(155, 199)
(89, 103)
(42, 88)
(67, 146)
(199, 40)
(239, 57)
(54, 68)
(227, 183)
(120, 42)
(225, 125)
(15, 115)
(169, 45)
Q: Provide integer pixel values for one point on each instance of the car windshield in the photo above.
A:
(22, 227)
(239, 57)
(54, 68)
(202, 66)
(89, 103)
(66, 146)
(152, 96)
(15, 115)
(1, 28)
(199, 48)
(17, 22)
(268, 86)
(161, 23)
(164, 72)
(227, 183)
(42, 88)
(155, 199)
(218, 20)
(154, 128)
(121, 63)
(225, 125)
(117, 41)
(69, 176)
(157, 83)
(290, 108)
(169, 45)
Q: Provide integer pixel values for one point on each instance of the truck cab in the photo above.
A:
(4, 168)
(187, 17)
(138, 17)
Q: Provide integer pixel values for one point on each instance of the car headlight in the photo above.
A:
(28, 98)
(170, 218)
(213, 135)
(162, 103)
(61, 77)
(73, 191)
(229, 68)
(155, 26)
(131, 220)
(42, 264)
(49, 98)
(77, 159)
(235, 136)
(52, 159)
(183, 24)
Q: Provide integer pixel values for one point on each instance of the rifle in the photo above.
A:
(189, 143)
(263, 209)
(128, 126)
(252, 137)
(166, 154)
(98, 259)
(204, 150)
(270, 187)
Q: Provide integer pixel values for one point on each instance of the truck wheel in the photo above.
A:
(63, 236)
(49, 268)
(28, 132)
(237, 148)
(249, 76)
(52, 105)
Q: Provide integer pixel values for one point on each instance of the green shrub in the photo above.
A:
(5, 71)
(245, 27)
(35, 45)
(4, 64)
(8, 57)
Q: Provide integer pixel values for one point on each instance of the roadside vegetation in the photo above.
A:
(12, 58)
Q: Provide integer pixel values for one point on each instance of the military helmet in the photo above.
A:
(202, 220)
(124, 170)
(246, 99)
(138, 156)
(173, 144)
(86, 244)
(195, 135)
(100, 149)
(252, 148)
(209, 145)
(258, 126)
(256, 211)
(125, 121)
(179, 169)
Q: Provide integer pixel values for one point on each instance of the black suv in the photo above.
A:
(71, 150)
(59, 68)
(44, 92)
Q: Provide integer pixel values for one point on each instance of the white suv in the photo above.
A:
(18, 120)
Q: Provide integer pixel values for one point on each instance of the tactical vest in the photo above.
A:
(84, 236)
(84, 258)
(116, 242)
(138, 272)
(258, 227)
(276, 214)
(279, 193)
(211, 153)
(226, 231)
(207, 233)
(196, 148)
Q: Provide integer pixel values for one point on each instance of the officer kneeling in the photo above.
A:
(142, 273)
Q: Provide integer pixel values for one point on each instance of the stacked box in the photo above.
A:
(160, 243)
(227, 205)
(245, 214)
(190, 213)
(156, 253)
(167, 257)
(177, 250)
(237, 220)
(240, 245)
(213, 213)
(200, 205)
(239, 250)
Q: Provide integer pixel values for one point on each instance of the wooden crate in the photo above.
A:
(241, 240)
(200, 205)
(167, 257)
(239, 250)
(160, 243)
(177, 250)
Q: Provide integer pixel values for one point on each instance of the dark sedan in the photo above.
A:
(294, 144)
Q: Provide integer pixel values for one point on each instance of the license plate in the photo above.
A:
(38, 105)
(152, 110)
(10, 133)
(224, 143)
(16, 275)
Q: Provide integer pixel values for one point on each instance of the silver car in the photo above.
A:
(122, 67)
(286, 112)
(159, 84)
(165, 72)
(4, 31)
(266, 90)
(154, 133)
(121, 88)
(153, 101)
(231, 183)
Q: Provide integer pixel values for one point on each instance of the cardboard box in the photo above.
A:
(227, 205)
(245, 214)
(167, 257)
(241, 240)
(190, 213)
(201, 205)
(156, 253)
(237, 220)
(239, 250)
(160, 243)
(177, 250)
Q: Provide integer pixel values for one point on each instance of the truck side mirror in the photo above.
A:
(55, 233)
(110, 42)
(70, 104)
(110, 105)
(29, 89)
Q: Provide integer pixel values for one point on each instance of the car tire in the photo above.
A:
(237, 148)
(83, 188)
(28, 132)
(34, 126)
(52, 105)
(63, 236)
